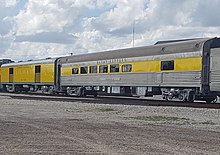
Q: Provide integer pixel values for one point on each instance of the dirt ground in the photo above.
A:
(61, 128)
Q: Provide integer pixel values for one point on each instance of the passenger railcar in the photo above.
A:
(182, 69)
(26, 76)
(187, 70)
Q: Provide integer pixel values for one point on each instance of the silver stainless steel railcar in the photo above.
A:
(184, 69)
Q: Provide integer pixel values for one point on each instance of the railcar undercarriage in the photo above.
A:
(181, 94)
(188, 95)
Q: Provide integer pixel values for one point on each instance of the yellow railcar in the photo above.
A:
(30, 75)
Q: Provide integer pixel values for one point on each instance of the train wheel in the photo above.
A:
(167, 97)
(12, 89)
(81, 92)
(191, 96)
(181, 97)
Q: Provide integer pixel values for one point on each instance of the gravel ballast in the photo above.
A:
(50, 127)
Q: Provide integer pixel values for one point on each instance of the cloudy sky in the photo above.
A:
(33, 29)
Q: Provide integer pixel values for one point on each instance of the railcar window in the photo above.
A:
(83, 70)
(103, 69)
(167, 65)
(127, 68)
(37, 69)
(75, 71)
(93, 69)
(114, 68)
(11, 70)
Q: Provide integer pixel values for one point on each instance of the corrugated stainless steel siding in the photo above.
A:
(184, 79)
(215, 70)
(112, 79)
(215, 80)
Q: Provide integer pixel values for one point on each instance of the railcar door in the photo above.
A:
(58, 76)
(215, 69)
(11, 75)
(37, 74)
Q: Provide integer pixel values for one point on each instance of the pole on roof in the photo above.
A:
(133, 31)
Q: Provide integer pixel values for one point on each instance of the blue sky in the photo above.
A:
(19, 6)
(33, 29)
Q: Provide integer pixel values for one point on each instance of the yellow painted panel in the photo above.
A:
(47, 73)
(188, 64)
(67, 71)
(0, 75)
(5, 74)
(24, 74)
(148, 66)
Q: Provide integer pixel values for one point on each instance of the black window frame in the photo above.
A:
(167, 65)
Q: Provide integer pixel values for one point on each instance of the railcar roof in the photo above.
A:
(166, 47)
(173, 41)
(31, 62)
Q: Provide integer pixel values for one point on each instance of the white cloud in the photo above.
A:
(41, 16)
(119, 17)
(106, 3)
(207, 13)
(48, 37)
(96, 41)
(52, 15)
(7, 29)
(79, 3)
(8, 3)
(56, 27)
(28, 50)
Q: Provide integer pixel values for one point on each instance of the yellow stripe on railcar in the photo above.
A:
(180, 65)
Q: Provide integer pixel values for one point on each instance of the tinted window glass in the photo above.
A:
(84, 70)
(114, 68)
(103, 69)
(75, 71)
(11, 71)
(167, 65)
(127, 68)
(37, 69)
(93, 69)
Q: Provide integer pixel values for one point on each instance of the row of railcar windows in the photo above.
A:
(165, 65)
(102, 69)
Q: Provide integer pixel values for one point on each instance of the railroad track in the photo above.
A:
(110, 100)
